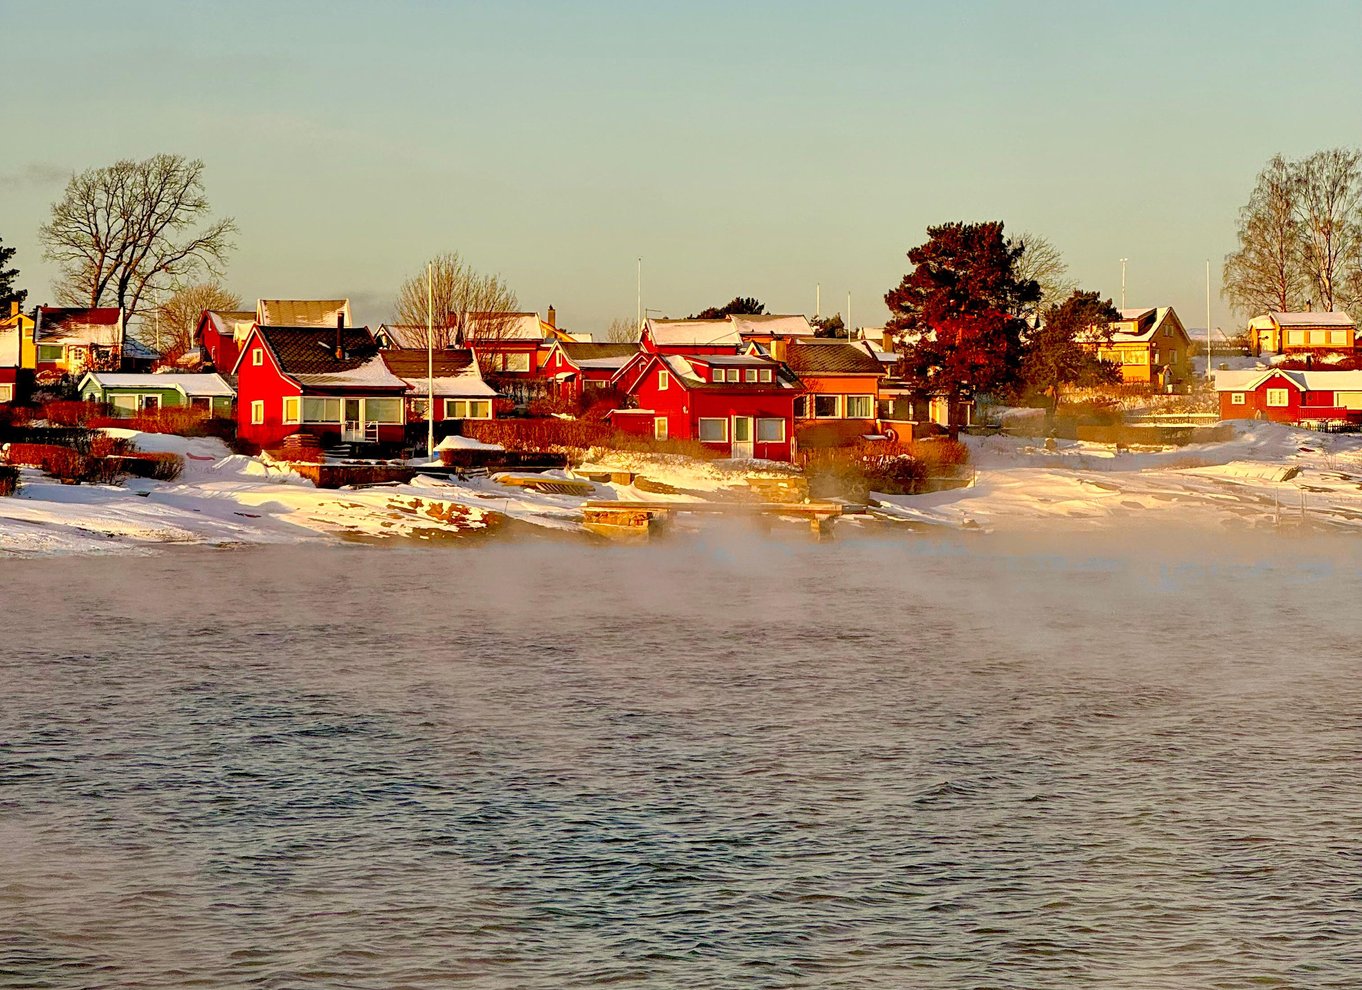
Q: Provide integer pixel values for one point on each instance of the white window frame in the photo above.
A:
(466, 408)
(749, 376)
(836, 405)
(59, 359)
(765, 375)
(297, 416)
(1278, 398)
(1237, 399)
(512, 361)
(771, 419)
(369, 417)
(869, 401)
(6, 392)
(664, 381)
(258, 412)
(660, 431)
(257, 356)
(723, 429)
(323, 399)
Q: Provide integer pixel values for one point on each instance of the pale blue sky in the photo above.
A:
(739, 148)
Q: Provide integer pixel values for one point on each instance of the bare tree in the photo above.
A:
(622, 330)
(1041, 262)
(464, 304)
(132, 228)
(1267, 272)
(170, 326)
(1329, 208)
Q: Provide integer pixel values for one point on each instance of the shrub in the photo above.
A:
(854, 471)
(179, 420)
(34, 455)
(157, 466)
(65, 412)
(9, 480)
(541, 435)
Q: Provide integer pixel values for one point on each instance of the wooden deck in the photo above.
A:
(634, 520)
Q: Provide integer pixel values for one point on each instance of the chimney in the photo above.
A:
(779, 348)
(340, 334)
(553, 318)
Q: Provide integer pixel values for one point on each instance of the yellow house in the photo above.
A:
(16, 332)
(1302, 333)
(1151, 347)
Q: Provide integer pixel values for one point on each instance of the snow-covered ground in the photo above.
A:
(225, 499)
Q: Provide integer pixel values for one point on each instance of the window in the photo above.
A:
(383, 411)
(1134, 357)
(749, 374)
(257, 412)
(827, 406)
(123, 405)
(1277, 397)
(515, 362)
(257, 356)
(6, 393)
(49, 352)
(1236, 398)
(765, 375)
(468, 409)
(1348, 400)
(771, 431)
(713, 430)
(321, 410)
(660, 428)
(149, 402)
(860, 406)
(663, 380)
(291, 410)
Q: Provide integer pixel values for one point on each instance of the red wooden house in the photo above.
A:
(1290, 396)
(687, 337)
(739, 404)
(573, 368)
(219, 335)
(330, 382)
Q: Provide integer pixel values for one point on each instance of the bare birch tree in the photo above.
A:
(124, 231)
(465, 305)
(1267, 272)
(1329, 211)
(176, 317)
(1041, 262)
(622, 330)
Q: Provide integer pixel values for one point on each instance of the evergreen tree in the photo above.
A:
(8, 293)
(737, 306)
(1060, 351)
(955, 314)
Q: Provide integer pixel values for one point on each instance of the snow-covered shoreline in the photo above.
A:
(1018, 485)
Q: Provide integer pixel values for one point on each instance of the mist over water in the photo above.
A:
(989, 762)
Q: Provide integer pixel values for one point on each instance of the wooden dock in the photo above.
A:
(634, 520)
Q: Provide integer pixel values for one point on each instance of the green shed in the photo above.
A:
(129, 394)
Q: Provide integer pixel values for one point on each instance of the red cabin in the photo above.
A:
(739, 404)
(573, 367)
(1290, 396)
(330, 382)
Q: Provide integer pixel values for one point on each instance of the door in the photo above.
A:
(742, 436)
(353, 428)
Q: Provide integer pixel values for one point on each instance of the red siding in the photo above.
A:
(265, 383)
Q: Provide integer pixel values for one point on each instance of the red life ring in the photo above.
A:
(891, 435)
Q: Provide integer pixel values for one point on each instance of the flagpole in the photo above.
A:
(430, 364)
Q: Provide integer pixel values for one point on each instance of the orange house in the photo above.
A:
(841, 381)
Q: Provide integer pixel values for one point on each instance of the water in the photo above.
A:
(915, 763)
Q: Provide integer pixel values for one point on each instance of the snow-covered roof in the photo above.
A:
(207, 384)
(1331, 318)
(102, 325)
(9, 347)
(302, 312)
(456, 374)
(694, 333)
(1246, 380)
(506, 326)
(773, 325)
(230, 323)
(308, 356)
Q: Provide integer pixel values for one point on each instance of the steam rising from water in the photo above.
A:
(1003, 763)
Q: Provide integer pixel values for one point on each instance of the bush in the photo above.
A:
(157, 466)
(541, 435)
(102, 465)
(9, 480)
(65, 412)
(853, 472)
(179, 420)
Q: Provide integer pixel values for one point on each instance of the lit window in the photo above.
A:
(1236, 398)
(771, 431)
(468, 409)
(713, 430)
(827, 406)
(1277, 397)
(765, 374)
(660, 428)
(291, 410)
(860, 406)
(257, 357)
(257, 412)
(663, 380)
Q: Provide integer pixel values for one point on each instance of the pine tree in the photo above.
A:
(1061, 350)
(8, 293)
(956, 315)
